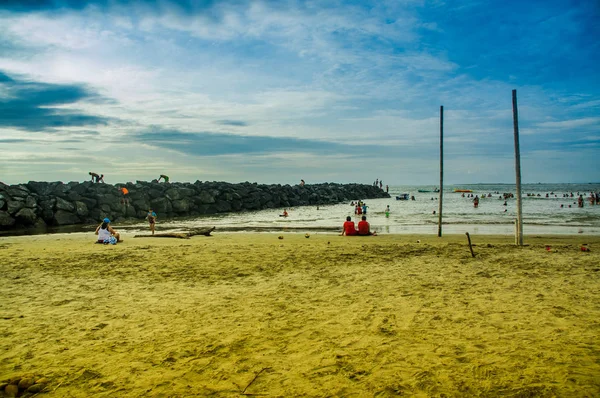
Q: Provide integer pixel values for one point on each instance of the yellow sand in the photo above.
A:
(324, 316)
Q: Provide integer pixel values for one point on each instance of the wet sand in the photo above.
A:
(251, 314)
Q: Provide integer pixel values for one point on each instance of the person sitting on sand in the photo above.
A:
(364, 229)
(106, 233)
(151, 216)
(285, 213)
(349, 229)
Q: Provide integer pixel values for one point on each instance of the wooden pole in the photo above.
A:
(441, 171)
(518, 170)
(470, 245)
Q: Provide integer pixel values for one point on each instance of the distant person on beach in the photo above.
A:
(302, 183)
(580, 201)
(364, 229)
(380, 184)
(164, 177)
(151, 216)
(387, 189)
(476, 201)
(364, 209)
(101, 179)
(285, 213)
(348, 228)
(106, 233)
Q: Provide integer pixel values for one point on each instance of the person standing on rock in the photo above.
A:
(151, 219)
(125, 198)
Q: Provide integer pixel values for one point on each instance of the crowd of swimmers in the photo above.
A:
(593, 197)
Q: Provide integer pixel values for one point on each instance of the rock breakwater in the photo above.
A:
(41, 204)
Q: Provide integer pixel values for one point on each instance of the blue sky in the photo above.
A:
(278, 91)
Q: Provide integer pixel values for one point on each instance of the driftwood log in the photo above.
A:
(180, 235)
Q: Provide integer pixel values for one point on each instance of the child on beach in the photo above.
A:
(151, 219)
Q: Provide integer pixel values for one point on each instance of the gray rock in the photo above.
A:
(81, 209)
(6, 220)
(205, 197)
(31, 202)
(62, 217)
(181, 206)
(18, 191)
(26, 216)
(14, 206)
(62, 204)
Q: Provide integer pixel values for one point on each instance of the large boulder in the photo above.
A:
(6, 220)
(30, 202)
(161, 205)
(14, 206)
(18, 191)
(26, 216)
(62, 204)
(81, 209)
(41, 188)
(62, 217)
(182, 206)
(205, 197)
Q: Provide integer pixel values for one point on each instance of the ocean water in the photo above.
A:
(541, 214)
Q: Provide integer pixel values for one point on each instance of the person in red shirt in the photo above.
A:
(349, 228)
(364, 229)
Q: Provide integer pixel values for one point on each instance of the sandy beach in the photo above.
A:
(253, 315)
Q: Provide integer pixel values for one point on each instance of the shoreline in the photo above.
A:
(323, 316)
(423, 230)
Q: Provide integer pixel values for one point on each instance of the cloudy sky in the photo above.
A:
(278, 91)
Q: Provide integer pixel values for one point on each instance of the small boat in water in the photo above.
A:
(403, 196)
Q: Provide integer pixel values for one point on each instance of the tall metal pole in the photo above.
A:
(441, 170)
(519, 237)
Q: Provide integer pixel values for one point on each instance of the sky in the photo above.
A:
(278, 91)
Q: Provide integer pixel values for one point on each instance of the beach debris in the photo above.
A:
(280, 237)
(252, 381)
(548, 248)
(584, 247)
(307, 235)
(181, 235)
(418, 240)
(19, 385)
(470, 245)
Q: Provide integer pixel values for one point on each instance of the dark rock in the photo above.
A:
(62, 217)
(14, 206)
(30, 202)
(182, 206)
(205, 197)
(26, 216)
(18, 191)
(81, 209)
(6, 220)
(62, 204)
